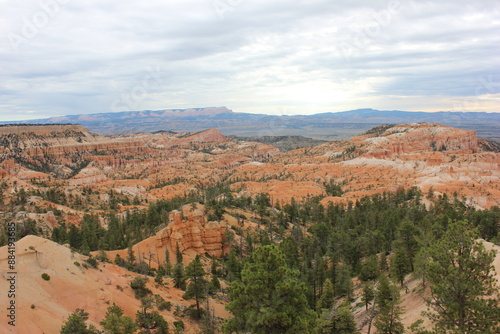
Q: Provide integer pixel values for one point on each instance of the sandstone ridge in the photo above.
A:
(190, 229)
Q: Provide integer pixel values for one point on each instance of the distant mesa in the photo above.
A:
(143, 114)
(322, 126)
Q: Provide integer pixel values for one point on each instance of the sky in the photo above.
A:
(281, 57)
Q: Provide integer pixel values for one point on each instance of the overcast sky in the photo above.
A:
(61, 57)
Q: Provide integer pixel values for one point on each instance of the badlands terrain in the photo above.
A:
(163, 165)
(60, 175)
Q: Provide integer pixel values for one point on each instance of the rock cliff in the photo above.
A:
(190, 229)
(61, 150)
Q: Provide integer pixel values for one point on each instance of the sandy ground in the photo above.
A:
(43, 306)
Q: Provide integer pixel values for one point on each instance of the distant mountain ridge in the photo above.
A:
(329, 126)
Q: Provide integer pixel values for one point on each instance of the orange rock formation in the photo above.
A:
(193, 232)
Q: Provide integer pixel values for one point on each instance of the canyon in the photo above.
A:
(163, 165)
(60, 175)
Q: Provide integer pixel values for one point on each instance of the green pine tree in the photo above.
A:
(179, 276)
(269, 298)
(464, 288)
(178, 253)
(131, 257)
(389, 312)
(116, 323)
(368, 294)
(408, 235)
(343, 321)
(400, 264)
(151, 322)
(76, 324)
(214, 286)
(197, 287)
(343, 283)
(327, 297)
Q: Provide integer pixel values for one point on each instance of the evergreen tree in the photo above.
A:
(400, 265)
(214, 267)
(74, 237)
(197, 287)
(159, 277)
(214, 285)
(384, 294)
(114, 233)
(389, 312)
(343, 321)
(233, 266)
(119, 261)
(289, 247)
(76, 324)
(116, 323)
(368, 294)
(151, 322)
(179, 277)
(178, 253)
(269, 298)
(343, 283)
(327, 297)
(131, 257)
(369, 269)
(464, 289)
(408, 235)
(89, 232)
(383, 261)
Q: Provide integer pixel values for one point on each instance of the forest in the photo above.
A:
(308, 265)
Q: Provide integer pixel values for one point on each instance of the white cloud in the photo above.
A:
(305, 56)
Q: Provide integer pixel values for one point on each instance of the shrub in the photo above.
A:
(179, 325)
(162, 304)
(92, 261)
(119, 261)
(102, 257)
(76, 263)
(45, 276)
(138, 284)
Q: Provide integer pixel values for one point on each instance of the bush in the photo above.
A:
(138, 284)
(162, 304)
(119, 261)
(45, 276)
(92, 261)
(102, 257)
(179, 325)
(76, 263)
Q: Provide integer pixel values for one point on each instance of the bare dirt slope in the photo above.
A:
(43, 306)
(412, 298)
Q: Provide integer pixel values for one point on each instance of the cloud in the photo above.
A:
(63, 57)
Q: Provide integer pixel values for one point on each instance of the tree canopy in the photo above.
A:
(269, 298)
(464, 289)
